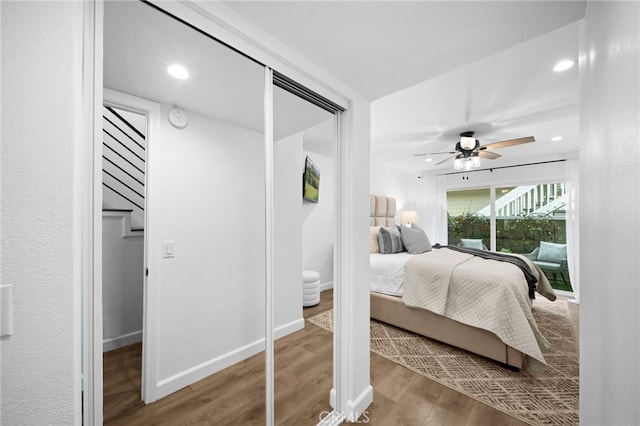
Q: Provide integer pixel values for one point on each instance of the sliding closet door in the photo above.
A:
(205, 210)
(303, 235)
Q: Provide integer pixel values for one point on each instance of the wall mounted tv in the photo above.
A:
(310, 181)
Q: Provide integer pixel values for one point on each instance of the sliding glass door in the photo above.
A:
(468, 217)
(523, 219)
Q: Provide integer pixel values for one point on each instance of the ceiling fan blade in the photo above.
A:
(489, 155)
(509, 142)
(434, 153)
(446, 159)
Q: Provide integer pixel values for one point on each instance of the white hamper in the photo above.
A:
(310, 288)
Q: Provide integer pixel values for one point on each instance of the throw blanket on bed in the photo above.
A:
(479, 292)
(520, 263)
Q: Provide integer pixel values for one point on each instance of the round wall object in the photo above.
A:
(178, 118)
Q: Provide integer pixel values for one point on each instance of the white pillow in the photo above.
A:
(373, 239)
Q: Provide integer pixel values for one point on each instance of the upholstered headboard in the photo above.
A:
(382, 211)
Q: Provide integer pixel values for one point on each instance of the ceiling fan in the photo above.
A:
(468, 150)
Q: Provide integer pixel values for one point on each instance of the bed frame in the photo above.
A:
(392, 310)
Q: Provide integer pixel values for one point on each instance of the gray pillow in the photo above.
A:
(415, 239)
(389, 240)
(472, 243)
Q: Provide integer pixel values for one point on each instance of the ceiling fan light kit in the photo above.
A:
(468, 151)
(468, 163)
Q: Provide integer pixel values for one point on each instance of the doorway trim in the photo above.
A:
(149, 324)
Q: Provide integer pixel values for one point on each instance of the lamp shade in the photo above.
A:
(467, 143)
(408, 216)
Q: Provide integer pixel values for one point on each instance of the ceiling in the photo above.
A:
(223, 84)
(434, 69)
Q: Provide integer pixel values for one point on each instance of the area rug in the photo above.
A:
(546, 398)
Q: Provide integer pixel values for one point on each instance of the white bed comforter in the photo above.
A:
(483, 293)
(386, 272)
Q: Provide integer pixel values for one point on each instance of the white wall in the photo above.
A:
(609, 219)
(287, 235)
(318, 221)
(206, 186)
(40, 87)
(122, 281)
(404, 187)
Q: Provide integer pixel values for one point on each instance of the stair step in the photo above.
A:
(137, 229)
(117, 210)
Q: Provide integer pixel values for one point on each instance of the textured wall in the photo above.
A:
(609, 219)
(40, 363)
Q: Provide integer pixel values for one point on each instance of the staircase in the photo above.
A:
(545, 199)
(123, 163)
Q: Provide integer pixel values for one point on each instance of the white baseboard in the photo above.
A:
(287, 329)
(207, 368)
(354, 409)
(357, 407)
(121, 341)
(326, 286)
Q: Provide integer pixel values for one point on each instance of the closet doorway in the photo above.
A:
(208, 247)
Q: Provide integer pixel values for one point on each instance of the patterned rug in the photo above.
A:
(547, 398)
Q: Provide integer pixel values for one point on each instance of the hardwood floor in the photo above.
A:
(303, 379)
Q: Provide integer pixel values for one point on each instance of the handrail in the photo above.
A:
(121, 156)
(530, 199)
(123, 132)
(123, 145)
(124, 184)
(123, 170)
(114, 112)
(123, 196)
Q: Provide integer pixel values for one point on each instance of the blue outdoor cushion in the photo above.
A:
(552, 252)
(472, 243)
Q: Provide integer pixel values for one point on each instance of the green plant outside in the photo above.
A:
(519, 234)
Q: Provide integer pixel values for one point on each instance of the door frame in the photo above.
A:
(149, 324)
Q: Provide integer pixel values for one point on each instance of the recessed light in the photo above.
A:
(563, 65)
(428, 160)
(556, 138)
(178, 71)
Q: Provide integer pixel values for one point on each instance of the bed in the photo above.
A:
(484, 306)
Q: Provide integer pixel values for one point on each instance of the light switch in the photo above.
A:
(6, 308)
(168, 249)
